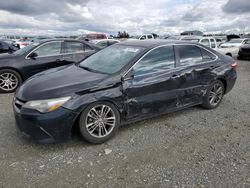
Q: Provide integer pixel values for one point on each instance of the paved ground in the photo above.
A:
(190, 148)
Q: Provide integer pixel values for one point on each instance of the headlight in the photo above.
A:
(44, 106)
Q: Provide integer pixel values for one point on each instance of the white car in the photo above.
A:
(103, 43)
(211, 43)
(22, 43)
(234, 43)
(143, 37)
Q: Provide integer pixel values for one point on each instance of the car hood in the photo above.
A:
(59, 82)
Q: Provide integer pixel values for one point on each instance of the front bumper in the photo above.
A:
(244, 54)
(51, 127)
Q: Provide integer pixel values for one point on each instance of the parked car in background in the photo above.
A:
(7, 48)
(120, 84)
(244, 51)
(23, 42)
(103, 43)
(212, 43)
(93, 36)
(142, 37)
(234, 43)
(37, 57)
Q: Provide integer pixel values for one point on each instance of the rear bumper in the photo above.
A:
(52, 127)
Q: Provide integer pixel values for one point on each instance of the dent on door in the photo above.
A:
(150, 94)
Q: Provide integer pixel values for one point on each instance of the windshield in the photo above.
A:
(25, 49)
(112, 59)
(235, 41)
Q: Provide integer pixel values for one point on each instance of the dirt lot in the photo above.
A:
(190, 148)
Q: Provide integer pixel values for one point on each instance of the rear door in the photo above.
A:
(196, 66)
(76, 51)
(152, 89)
(49, 55)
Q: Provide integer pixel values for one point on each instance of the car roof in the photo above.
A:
(100, 40)
(153, 43)
(59, 39)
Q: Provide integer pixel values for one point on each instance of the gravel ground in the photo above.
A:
(189, 148)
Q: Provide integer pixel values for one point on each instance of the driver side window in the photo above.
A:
(49, 49)
(157, 60)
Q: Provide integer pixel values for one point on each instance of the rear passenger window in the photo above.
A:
(207, 56)
(76, 47)
(189, 55)
(159, 59)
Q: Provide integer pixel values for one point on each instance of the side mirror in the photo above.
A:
(129, 75)
(33, 55)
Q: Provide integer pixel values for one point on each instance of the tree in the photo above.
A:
(123, 34)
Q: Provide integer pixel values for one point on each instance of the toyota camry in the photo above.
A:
(123, 83)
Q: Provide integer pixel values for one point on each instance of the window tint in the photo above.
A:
(157, 60)
(205, 42)
(75, 47)
(52, 48)
(213, 45)
(112, 42)
(189, 55)
(207, 56)
(102, 44)
(149, 37)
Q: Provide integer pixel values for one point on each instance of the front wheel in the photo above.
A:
(9, 80)
(99, 122)
(214, 95)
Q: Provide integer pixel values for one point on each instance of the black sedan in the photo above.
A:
(244, 51)
(123, 83)
(7, 48)
(37, 57)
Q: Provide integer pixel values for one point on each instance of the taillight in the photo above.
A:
(24, 44)
(234, 66)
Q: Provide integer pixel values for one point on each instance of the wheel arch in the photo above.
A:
(229, 54)
(224, 83)
(13, 69)
(75, 126)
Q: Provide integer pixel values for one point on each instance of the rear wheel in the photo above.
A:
(99, 122)
(214, 95)
(9, 80)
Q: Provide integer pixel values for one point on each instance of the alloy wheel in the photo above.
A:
(215, 94)
(100, 121)
(8, 81)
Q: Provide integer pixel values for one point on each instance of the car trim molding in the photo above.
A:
(124, 75)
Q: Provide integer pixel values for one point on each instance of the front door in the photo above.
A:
(48, 56)
(150, 86)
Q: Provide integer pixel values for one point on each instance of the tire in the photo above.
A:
(10, 80)
(214, 95)
(99, 127)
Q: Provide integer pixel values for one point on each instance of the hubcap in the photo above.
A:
(8, 81)
(215, 94)
(100, 121)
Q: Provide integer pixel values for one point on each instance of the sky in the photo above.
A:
(74, 17)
